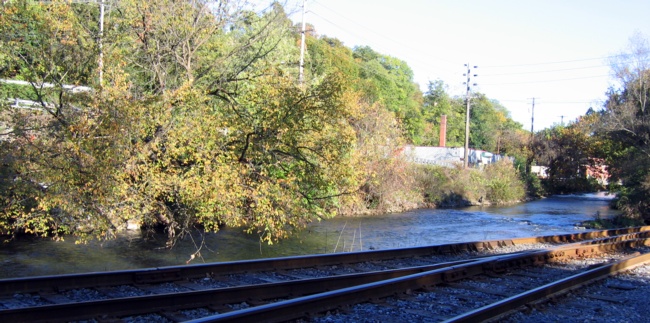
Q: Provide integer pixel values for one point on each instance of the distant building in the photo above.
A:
(449, 157)
(596, 168)
(540, 171)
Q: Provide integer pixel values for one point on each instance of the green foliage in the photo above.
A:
(626, 123)
(492, 129)
(43, 43)
(15, 91)
(388, 181)
(389, 81)
(567, 151)
(451, 187)
(326, 55)
(437, 103)
(534, 186)
(503, 182)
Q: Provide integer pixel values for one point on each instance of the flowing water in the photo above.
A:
(553, 215)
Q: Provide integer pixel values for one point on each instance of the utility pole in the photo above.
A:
(100, 40)
(532, 119)
(100, 44)
(467, 113)
(301, 75)
(529, 161)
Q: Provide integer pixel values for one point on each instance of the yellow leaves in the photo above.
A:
(274, 157)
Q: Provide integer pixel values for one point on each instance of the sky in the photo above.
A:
(557, 52)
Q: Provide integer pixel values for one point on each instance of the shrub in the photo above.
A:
(449, 187)
(503, 183)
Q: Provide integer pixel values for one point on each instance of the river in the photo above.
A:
(553, 215)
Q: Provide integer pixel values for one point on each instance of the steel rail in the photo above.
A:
(173, 273)
(500, 308)
(303, 306)
(208, 297)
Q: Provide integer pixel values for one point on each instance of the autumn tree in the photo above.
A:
(567, 151)
(61, 151)
(626, 122)
(240, 142)
(200, 122)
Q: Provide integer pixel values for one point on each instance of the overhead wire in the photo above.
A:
(546, 71)
(482, 67)
(558, 71)
(553, 62)
(397, 42)
(352, 60)
(325, 16)
(548, 81)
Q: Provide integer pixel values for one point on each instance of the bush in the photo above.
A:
(392, 189)
(534, 185)
(451, 187)
(503, 183)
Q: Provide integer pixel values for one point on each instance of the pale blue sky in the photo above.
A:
(554, 50)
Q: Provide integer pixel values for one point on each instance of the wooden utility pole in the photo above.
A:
(532, 119)
(529, 160)
(100, 44)
(467, 114)
(301, 74)
(100, 40)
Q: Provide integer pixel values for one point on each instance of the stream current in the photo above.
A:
(553, 215)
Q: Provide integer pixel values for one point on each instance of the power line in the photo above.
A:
(547, 71)
(623, 56)
(548, 81)
(548, 102)
(555, 62)
(372, 31)
(437, 68)
(441, 70)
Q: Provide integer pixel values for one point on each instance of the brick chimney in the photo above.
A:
(443, 131)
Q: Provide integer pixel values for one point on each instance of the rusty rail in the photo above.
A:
(303, 306)
(208, 297)
(562, 286)
(172, 273)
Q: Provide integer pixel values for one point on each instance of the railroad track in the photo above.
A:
(299, 288)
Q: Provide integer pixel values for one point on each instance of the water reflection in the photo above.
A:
(554, 215)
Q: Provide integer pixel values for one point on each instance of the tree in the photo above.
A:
(274, 160)
(490, 122)
(327, 55)
(389, 81)
(238, 142)
(388, 181)
(437, 103)
(198, 124)
(566, 150)
(60, 155)
(626, 122)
